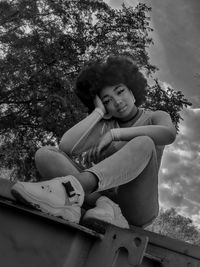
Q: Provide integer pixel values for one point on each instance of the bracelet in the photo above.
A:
(115, 133)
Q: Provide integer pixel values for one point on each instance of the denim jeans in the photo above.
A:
(126, 164)
(129, 177)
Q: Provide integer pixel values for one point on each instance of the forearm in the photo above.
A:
(161, 135)
(79, 132)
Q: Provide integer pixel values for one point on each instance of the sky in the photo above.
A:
(176, 52)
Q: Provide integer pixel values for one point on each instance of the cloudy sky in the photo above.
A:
(176, 52)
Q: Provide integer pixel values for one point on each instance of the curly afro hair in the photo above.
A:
(117, 69)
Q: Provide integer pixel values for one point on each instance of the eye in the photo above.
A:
(106, 102)
(120, 91)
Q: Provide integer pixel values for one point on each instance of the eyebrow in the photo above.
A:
(116, 87)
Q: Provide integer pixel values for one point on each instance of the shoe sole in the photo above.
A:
(95, 224)
(58, 212)
(99, 225)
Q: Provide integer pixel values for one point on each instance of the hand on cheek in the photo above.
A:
(98, 104)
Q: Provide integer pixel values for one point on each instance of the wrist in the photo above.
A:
(100, 111)
(115, 133)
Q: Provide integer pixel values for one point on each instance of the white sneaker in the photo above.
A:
(106, 211)
(61, 197)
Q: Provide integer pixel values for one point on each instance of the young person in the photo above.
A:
(111, 157)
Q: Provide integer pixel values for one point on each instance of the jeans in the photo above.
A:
(129, 176)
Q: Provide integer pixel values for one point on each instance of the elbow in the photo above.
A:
(167, 136)
(171, 136)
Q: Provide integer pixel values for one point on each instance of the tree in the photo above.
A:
(169, 100)
(44, 44)
(174, 225)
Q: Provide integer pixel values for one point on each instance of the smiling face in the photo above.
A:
(118, 101)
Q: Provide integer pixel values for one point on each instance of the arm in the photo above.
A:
(77, 135)
(162, 132)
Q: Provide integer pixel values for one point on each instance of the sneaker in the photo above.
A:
(105, 212)
(61, 197)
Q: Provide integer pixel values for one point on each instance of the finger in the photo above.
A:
(97, 101)
(89, 157)
(86, 158)
(99, 149)
(96, 154)
(102, 155)
(92, 155)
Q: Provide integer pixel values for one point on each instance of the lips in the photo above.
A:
(120, 110)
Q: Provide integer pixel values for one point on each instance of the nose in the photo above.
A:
(117, 101)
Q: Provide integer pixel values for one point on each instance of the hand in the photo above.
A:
(98, 104)
(104, 143)
(92, 156)
(97, 153)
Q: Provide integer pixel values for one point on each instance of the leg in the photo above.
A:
(52, 162)
(134, 169)
(138, 199)
(118, 169)
(63, 196)
(125, 165)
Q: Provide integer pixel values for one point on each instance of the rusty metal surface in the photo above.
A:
(168, 252)
(28, 238)
(31, 238)
(108, 251)
(22, 208)
(169, 244)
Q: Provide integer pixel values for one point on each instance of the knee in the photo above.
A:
(147, 142)
(143, 143)
(43, 153)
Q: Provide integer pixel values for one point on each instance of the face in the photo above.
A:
(118, 101)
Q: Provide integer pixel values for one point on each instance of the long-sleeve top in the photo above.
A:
(87, 133)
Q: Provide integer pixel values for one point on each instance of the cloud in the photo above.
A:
(191, 127)
(176, 49)
(171, 196)
(118, 3)
(176, 24)
(180, 170)
(195, 99)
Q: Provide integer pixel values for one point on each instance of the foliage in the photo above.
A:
(168, 100)
(174, 225)
(44, 44)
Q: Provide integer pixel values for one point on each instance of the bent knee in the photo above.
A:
(43, 152)
(143, 143)
(147, 142)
